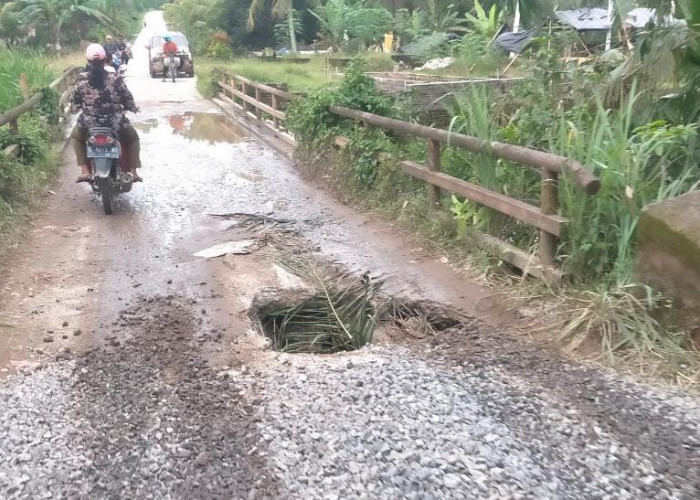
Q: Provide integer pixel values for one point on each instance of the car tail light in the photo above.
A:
(101, 140)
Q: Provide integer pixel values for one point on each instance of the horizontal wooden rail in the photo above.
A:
(12, 115)
(252, 100)
(538, 159)
(265, 88)
(504, 204)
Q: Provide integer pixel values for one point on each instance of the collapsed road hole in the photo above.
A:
(420, 319)
(336, 314)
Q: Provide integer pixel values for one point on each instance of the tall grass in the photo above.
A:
(14, 64)
(21, 178)
(636, 166)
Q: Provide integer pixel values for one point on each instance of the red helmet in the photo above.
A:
(95, 52)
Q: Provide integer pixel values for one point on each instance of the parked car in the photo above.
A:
(155, 55)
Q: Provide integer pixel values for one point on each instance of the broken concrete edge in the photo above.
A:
(668, 256)
(528, 263)
(12, 150)
(666, 224)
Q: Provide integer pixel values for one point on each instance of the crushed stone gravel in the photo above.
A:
(464, 414)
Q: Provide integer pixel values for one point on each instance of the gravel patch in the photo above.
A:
(464, 414)
(143, 418)
(385, 424)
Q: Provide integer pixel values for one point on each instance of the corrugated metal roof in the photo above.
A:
(588, 19)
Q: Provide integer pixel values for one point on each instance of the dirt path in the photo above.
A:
(154, 385)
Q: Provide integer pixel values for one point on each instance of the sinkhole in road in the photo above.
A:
(338, 310)
(337, 320)
(319, 323)
(420, 318)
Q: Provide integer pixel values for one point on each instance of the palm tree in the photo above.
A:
(55, 13)
(280, 10)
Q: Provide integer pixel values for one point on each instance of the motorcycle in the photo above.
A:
(171, 64)
(117, 63)
(111, 175)
(126, 54)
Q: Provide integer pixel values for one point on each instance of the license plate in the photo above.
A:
(98, 152)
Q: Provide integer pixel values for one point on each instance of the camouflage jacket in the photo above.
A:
(103, 107)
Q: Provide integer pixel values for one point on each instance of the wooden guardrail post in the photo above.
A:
(434, 165)
(14, 128)
(275, 120)
(244, 90)
(549, 205)
(258, 112)
(233, 85)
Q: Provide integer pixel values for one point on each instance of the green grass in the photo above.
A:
(299, 77)
(14, 64)
(23, 179)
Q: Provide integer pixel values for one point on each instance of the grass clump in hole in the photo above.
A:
(339, 315)
(420, 319)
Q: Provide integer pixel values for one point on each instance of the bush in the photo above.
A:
(219, 46)
(310, 119)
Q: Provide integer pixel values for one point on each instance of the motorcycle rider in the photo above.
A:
(109, 45)
(124, 50)
(103, 99)
(169, 47)
(112, 49)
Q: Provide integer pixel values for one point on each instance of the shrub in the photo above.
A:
(312, 122)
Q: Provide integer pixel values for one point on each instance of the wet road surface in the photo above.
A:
(133, 370)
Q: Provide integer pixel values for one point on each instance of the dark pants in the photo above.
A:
(127, 136)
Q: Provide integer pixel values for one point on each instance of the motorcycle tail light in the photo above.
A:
(102, 140)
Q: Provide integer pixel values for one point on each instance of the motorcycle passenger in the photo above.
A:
(103, 98)
(169, 48)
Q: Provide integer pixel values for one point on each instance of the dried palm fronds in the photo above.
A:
(338, 316)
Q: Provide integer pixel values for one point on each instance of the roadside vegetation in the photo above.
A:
(24, 73)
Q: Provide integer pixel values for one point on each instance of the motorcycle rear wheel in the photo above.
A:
(106, 185)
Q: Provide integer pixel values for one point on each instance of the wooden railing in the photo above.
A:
(550, 166)
(236, 90)
(63, 85)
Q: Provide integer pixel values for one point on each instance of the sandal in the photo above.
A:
(84, 178)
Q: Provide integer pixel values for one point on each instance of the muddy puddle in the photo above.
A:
(211, 128)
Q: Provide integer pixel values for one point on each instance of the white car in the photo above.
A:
(155, 55)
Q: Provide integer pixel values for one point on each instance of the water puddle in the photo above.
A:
(208, 127)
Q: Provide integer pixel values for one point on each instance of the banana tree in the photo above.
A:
(55, 13)
(486, 23)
